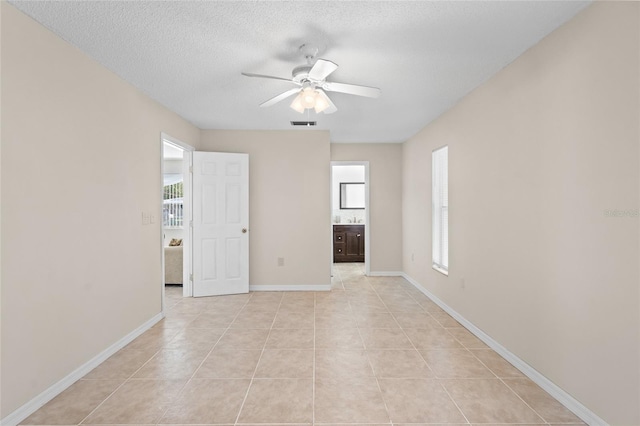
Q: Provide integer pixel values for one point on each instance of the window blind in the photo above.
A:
(440, 208)
(172, 209)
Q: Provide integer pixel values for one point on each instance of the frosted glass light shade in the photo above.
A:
(297, 103)
(322, 101)
(308, 97)
(312, 98)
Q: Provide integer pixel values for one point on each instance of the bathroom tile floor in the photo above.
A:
(372, 351)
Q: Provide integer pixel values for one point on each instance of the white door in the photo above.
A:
(220, 223)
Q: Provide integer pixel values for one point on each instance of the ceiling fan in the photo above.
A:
(312, 83)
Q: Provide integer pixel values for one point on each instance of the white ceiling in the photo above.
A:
(188, 56)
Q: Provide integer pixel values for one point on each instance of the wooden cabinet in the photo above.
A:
(348, 243)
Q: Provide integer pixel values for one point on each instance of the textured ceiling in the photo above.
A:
(188, 56)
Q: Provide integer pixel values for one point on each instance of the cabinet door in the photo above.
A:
(355, 244)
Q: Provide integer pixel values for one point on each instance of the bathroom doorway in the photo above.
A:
(350, 218)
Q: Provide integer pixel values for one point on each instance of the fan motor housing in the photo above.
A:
(301, 73)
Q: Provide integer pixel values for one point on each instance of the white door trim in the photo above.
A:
(367, 212)
(187, 214)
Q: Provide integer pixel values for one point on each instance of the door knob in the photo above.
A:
(244, 230)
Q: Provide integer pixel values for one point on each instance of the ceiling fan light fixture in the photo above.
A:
(309, 96)
(297, 103)
(322, 102)
(312, 83)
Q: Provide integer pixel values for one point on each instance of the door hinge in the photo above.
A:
(190, 224)
(190, 169)
(190, 277)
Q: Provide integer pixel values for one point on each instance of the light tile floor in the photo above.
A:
(372, 351)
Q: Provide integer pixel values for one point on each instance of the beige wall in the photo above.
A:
(289, 205)
(537, 154)
(385, 203)
(80, 163)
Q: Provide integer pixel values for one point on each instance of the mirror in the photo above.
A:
(351, 195)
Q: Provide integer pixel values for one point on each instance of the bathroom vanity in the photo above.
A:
(348, 243)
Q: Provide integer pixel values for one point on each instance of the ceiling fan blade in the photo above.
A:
(280, 97)
(329, 107)
(351, 89)
(250, 74)
(321, 69)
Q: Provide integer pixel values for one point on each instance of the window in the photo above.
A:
(440, 209)
(172, 206)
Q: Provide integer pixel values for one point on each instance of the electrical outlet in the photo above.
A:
(152, 218)
(413, 257)
(281, 261)
(145, 218)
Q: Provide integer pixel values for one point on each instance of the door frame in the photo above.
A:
(187, 290)
(367, 211)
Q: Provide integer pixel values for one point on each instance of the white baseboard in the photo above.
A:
(36, 403)
(386, 274)
(554, 390)
(301, 287)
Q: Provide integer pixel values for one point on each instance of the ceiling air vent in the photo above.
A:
(303, 123)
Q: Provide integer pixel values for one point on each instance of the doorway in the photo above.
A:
(350, 215)
(205, 221)
(176, 207)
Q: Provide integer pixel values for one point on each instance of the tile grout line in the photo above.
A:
(454, 401)
(386, 407)
(419, 353)
(164, 412)
(492, 372)
(117, 388)
(130, 377)
(255, 370)
(481, 362)
(313, 401)
(422, 356)
(126, 380)
(313, 377)
(521, 399)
